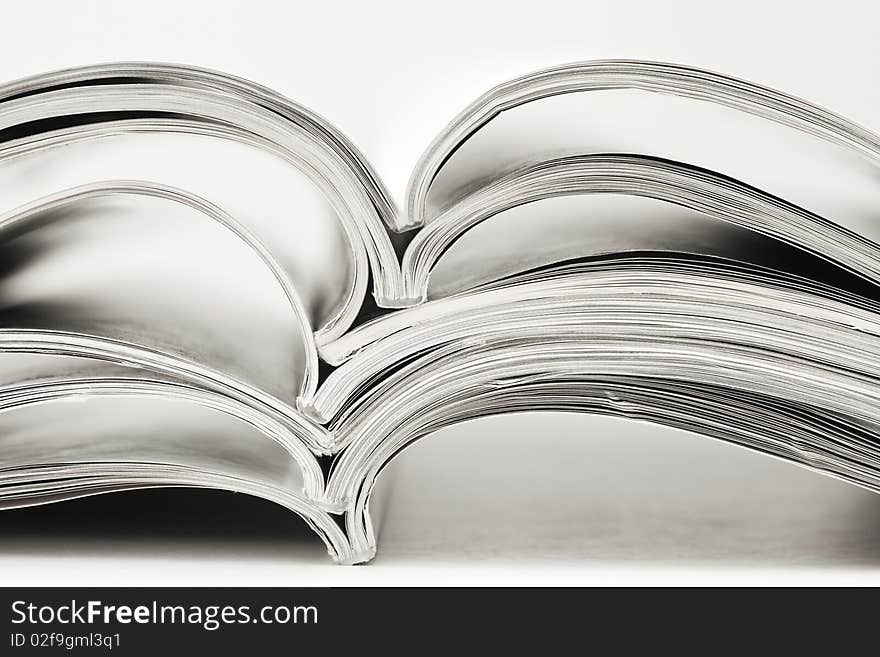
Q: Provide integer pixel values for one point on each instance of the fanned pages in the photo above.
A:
(188, 254)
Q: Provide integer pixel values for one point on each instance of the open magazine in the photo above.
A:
(206, 284)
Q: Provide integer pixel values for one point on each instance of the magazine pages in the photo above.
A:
(221, 280)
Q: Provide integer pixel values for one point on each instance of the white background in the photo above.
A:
(616, 502)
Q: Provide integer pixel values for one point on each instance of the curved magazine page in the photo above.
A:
(562, 229)
(302, 117)
(459, 384)
(222, 105)
(267, 196)
(695, 247)
(53, 450)
(708, 306)
(29, 378)
(506, 128)
(149, 275)
(21, 369)
(716, 196)
(788, 366)
(771, 426)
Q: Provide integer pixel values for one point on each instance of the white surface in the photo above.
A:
(391, 75)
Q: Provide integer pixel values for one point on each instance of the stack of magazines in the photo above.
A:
(206, 284)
